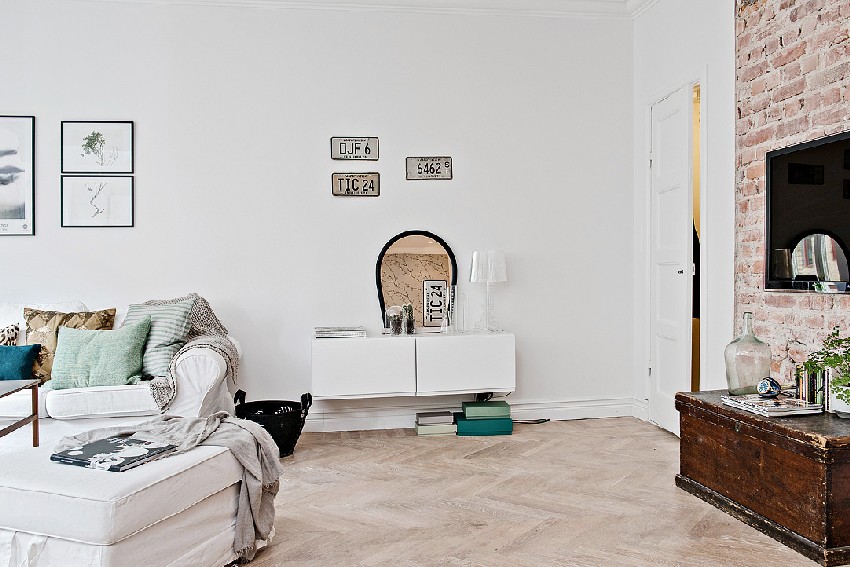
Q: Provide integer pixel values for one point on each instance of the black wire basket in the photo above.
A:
(283, 419)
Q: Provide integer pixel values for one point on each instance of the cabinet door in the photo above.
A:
(451, 364)
(364, 367)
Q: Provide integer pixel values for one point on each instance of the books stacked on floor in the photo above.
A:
(484, 418)
(772, 407)
(339, 332)
(435, 423)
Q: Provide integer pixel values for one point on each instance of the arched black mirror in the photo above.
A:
(419, 268)
(820, 257)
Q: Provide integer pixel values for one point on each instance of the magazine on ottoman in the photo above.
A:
(116, 454)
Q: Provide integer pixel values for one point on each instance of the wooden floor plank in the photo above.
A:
(573, 493)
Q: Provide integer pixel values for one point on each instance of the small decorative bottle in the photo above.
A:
(407, 317)
(747, 360)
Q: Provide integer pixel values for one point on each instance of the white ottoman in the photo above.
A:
(179, 510)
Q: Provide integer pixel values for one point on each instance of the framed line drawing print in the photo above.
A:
(97, 147)
(95, 201)
(17, 175)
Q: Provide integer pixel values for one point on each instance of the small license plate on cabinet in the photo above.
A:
(354, 148)
(429, 168)
(435, 301)
(356, 184)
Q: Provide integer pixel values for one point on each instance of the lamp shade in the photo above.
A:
(488, 266)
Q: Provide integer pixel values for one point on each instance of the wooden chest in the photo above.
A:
(788, 477)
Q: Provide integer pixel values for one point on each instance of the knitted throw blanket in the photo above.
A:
(249, 443)
(206, 332)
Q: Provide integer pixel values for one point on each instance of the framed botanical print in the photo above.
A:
(95, 201)
(97, 147)
(17, 175)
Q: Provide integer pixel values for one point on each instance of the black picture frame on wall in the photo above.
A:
(98, 201)
(98, 147)
(17, 175)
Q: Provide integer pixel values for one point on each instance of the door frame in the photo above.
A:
(643, 235)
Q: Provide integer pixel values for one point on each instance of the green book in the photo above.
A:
(436, 429)
(483, 426)
(486, 409)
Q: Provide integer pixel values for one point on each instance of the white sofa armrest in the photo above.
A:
(201, 388)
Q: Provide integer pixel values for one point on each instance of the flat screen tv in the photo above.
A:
(808, 215)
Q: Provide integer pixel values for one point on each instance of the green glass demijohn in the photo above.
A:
(747, 360)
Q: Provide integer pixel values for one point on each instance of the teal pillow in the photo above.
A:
(170, 326)
(16, 361)
(99, 358)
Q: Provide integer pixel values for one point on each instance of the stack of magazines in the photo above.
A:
(772, 407)
(339, 332)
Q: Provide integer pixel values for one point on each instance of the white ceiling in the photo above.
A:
(595, 9)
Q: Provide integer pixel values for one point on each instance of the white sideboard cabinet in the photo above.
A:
(429, 364)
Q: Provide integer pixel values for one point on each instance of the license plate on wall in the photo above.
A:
(356, 184)
(435, 301)
(429, 168)
(354, 148)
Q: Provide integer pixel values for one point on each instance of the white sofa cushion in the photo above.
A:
(101, 401)
(14, 313)
(99, 507)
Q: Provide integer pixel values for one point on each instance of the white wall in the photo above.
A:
(234, 108)
(676, 42)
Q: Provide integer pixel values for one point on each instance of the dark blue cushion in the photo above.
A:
(16, 361)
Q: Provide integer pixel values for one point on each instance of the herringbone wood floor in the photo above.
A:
(569, 493)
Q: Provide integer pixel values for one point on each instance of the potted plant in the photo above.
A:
(833, 358)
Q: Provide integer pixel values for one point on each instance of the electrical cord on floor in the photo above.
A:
(530, 421)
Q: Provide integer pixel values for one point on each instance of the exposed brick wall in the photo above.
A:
(793, 85)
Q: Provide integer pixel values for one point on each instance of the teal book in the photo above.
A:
(483, 426)
(486, 409)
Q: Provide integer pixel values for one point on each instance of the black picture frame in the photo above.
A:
(19, 226)
(65, 200)
(72, 133)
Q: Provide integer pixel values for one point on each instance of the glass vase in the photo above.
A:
(747, 360)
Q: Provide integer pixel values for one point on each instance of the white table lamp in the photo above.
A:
(488, 266)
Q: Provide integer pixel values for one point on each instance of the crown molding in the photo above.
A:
(572, 9)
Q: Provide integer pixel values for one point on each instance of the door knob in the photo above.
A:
(680, 272)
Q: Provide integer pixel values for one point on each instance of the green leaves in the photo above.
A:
(93, 144)
(835, 354)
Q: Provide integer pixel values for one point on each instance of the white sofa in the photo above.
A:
(177, 511)
(199, 374)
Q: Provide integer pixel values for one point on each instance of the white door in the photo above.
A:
(671, 236)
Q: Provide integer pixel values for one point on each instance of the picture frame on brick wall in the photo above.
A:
(97, 147)
(17, 175)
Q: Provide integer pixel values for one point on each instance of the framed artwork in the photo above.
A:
(435, 302)
(17, 175)
(97, 147)
(93, 201)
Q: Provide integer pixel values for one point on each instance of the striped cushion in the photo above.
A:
(169, 331)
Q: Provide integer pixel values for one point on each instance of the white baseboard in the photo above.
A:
(640, 409)
(403, 415)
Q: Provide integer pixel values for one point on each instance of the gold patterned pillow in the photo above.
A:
(43, 329)
(9, 335)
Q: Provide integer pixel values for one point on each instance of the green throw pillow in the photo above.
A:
(170, 326)
(99, 358)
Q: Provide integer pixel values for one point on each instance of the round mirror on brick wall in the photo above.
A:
(419, 268)
(821, 258)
